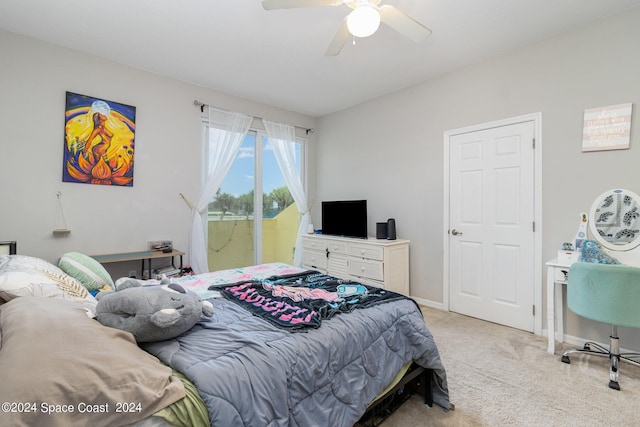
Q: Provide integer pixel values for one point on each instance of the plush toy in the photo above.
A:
(151, 312)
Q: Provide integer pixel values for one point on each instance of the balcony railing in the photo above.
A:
(231, 239)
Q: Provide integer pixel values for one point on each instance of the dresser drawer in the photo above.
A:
(315, 259)
(366, 251)
(337, 246)
(314, 245)
(561, 274)
(368, 282)
(366, 268)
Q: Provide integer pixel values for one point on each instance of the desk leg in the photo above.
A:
(173, 262)
(551, 324)
(559, 303)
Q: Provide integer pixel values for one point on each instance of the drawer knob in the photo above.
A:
(362, 252)
(362, 269)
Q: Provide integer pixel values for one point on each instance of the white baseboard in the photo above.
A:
(429, 303)
(569, 340)
(578, 342)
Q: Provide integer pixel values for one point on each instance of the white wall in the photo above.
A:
(33, 79)
(390, 150)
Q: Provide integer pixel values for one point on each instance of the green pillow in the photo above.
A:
(86, 270)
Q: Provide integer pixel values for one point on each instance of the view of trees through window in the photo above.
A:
(228, 206)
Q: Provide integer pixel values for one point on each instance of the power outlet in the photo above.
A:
(132, 274)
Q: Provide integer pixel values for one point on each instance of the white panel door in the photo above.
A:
(491, 214)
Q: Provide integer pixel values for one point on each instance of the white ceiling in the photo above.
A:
(277, 57)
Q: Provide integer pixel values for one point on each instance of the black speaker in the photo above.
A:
(391, 229)
(381, 230)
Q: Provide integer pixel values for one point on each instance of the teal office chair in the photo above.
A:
(609, 294)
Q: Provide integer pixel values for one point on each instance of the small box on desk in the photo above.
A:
(568, 257)
(165, 246)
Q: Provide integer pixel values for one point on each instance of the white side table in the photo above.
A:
(557, 275)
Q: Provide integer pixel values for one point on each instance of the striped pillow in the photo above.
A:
(22, 275)
(86, 270)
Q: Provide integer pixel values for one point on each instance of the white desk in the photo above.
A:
(557, 274)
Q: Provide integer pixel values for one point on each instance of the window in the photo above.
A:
(253, 188)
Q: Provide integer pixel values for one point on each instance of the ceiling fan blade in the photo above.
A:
(290, 4)
(341, 37)
(403, 24)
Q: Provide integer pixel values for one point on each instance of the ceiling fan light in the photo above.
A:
(363, 21)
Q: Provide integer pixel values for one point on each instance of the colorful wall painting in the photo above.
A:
(98, 141)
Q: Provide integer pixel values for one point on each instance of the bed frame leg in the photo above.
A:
(416, 381)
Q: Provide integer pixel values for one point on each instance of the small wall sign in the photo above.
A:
(607, 128)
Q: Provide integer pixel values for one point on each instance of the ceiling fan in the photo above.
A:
(362, 21)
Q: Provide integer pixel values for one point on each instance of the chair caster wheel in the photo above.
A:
(614, 385)
(565, 359)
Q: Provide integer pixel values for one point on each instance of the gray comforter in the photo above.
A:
(251, 373)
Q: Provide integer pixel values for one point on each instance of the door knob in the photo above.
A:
(456, 232)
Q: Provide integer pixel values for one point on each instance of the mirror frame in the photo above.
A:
(592, 221)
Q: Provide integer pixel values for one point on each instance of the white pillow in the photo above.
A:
(22, 275)
(87, 270)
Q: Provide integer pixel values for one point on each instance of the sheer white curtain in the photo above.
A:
(282, 139)
(226, 133)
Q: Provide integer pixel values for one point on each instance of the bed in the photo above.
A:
(236, 368)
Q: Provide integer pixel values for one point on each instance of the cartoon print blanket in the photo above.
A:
(302, 300)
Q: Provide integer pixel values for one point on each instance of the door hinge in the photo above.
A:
(533, 142)
(534, 310)
(534, 226)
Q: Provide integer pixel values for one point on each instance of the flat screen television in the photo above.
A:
(346, 218)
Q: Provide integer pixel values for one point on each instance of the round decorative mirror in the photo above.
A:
(614, 220)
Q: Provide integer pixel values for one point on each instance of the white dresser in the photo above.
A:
(375, 262)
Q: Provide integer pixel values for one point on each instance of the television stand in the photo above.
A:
(375, 262)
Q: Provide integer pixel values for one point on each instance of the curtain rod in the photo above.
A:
(202, 105)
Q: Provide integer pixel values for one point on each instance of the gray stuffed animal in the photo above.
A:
(153, 312)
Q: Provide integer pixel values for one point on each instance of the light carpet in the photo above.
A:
(499, 376)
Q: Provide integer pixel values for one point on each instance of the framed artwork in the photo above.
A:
(607, 128)
(99, 140)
